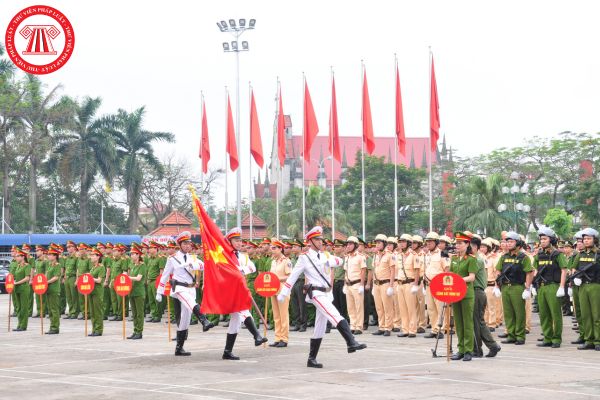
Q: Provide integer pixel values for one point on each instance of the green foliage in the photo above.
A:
(559, 221)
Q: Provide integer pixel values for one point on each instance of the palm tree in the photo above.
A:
(83, 152)
(134, 147)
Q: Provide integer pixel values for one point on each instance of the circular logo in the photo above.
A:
(122, 285)
(10, 283)
(167, 285)
(39, 40)
(266, 284)
(85, 284)
(40, 284)
(448, 287)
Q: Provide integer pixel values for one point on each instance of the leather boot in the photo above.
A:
(353, 345)
(315, 344)
(258, 339)
(206, 324)
(228, 352)
(181, 337)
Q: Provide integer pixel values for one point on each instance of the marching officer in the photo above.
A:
(408, 280)
(355, 267)
(137, 273)
(22, 277)
(53, 275)
(71, 280)
(282, 267)
(316, 266)
(434, 265)
(82, 266)
(384, 274)
(96, 298)
(417, 246)
(154, 266)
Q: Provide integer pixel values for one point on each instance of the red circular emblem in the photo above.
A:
(448, 287)
(122, 285)
(10, 283)
(266, 284)
(85, 284)
(167, 285)
(39, 40)
(40, 284)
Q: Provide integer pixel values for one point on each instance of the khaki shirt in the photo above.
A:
(490, 265)
(353, 265)
(282, 267)
(382, 264)
(434, 264)
(406, 265)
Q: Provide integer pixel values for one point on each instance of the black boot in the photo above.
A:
(206, 324)
(315, 344)
(181, 337)
(353, 345)
(258, 339)
(228, 352)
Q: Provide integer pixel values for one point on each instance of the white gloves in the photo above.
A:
(577, 281)
(414, 289)
(533, 291)
(344, 290)
(560, 292)
(424, 291)
(361, 289)
(280, 298)
(497, 292)
(570, 291)
(158, 297)
(526, 294)
(389, 291)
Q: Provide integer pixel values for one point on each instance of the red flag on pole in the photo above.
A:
(255, 141)
(400, 134)
(204, 145)
(434, 111)
(311, 128)
(280, 132)
(225, 289)
(367, 121)
(334, 133)
(231, 146)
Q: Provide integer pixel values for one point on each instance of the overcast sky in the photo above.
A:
(505, 69)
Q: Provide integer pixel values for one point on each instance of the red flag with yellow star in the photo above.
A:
(225, 289)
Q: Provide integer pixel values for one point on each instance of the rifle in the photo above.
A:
(580, 273)
(502, 278)
(539, 277)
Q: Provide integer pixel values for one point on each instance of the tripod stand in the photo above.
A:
(447, 321)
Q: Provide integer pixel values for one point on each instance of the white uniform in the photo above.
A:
(322, 301)
(245, 266)
(183, 267)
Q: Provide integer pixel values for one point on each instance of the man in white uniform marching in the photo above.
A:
(316, 266)
(183, 266)
(245, 266)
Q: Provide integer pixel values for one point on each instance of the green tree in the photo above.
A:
(559, 221)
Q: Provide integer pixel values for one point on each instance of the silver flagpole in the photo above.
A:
(362, 155)
(302, 159)
(250, 164)
(396, 160)
(226, 165)
(430, 185)
(278, 165)
(201, 147)
(332, 157)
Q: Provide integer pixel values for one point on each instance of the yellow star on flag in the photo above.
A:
(217, 255)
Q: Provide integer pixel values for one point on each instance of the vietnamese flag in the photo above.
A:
(400, 134)
(231, 146)
(334, 132)
(225, 289)
(255, 141)
(280, 132)
(204, 144)
(311, 128)
(367, 120)
(434, 111)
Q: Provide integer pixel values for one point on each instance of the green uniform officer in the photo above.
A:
(578, 240)
(83, 267)
(107, 263)
(31, 262)
(12, 268)
(137, 273)
(53, 274)
(96, 298)
(515, 279)
(587, 278)
(465, 265)
(22, 288)
(70, 264)
(551, 266)
(154, 266)
(115, 269)
(40, 268)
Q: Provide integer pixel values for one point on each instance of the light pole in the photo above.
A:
(237, 30)
(514, 190)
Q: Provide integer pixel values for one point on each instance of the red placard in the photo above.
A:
(10, 283)
(40, 284)
(266, 284)
(448, 287)
(122, 285)
(85, 284)
(167, 285)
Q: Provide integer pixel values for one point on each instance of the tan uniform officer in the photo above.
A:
(434, 265)
(384, 270)
(490, 259)
(417, 246)
(282, 267)
(408, 276)
(355, 267)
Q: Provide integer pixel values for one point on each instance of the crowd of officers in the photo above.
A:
(383, 284)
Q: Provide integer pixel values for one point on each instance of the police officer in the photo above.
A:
(137, 273)
(53, 275)
(22, 277)
(82, 266)
(282, 267)
(434, 265)
(96, 298)
(355, 267)
(154, 266)
(408, 286)
(384, 276)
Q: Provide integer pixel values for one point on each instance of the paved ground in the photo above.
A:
(71, 366)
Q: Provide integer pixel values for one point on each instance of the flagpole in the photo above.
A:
(303, 159)
(278, 164)
(226, 166)
(430, 185)
(362, 157)
(201, 148)
(396, 160)
(250, 164)
(332, 157)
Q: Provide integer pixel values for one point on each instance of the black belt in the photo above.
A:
(491, 284)
(309, 289)
(350, 283)
(548, 283)
(409, 280)
(175, 283)
(381, 282)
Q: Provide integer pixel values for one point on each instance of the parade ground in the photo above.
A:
(71, 366)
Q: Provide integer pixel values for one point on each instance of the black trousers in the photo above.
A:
(339, 298)
(482, 332)
(298, 304)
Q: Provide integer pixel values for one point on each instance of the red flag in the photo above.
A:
(280, 132)
(400, 134)
(225, 289)
(434, 111)
(204, 145)
(367, 121)
(255, 141)
(231, 146)
(334, 133)
(311, 128)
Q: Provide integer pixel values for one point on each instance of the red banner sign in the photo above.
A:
(10, 283)
(167, 285)
(122, 285)
(448, 287)
(40, 284)
(85, 284)
(266, 284)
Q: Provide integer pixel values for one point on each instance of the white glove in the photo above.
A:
(389, 291)
(533, 291)
(344, 290)
(361, 289)
(158, 297)
(570, 291)
(414, 289)
(497, 292)
(280, 298)
(577, 281)
(526, 294)
(424, 291)
(560, 292)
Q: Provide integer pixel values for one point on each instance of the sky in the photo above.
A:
(506, 70)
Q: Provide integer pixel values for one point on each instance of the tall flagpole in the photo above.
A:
(278, 164)
(362, 155)
(226, 167)
(430, 185)
(303, 159)
(396, 159)
(201, 148)
(250, 164)
(332, 158)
